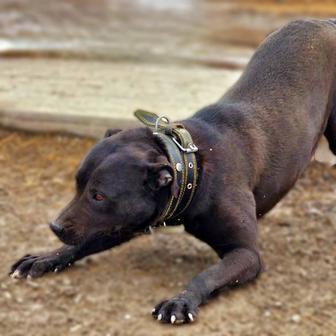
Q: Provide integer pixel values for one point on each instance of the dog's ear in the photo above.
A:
(164, 178)
(159, 176)
(111, 131)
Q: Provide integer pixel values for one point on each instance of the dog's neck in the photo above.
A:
(176, 142)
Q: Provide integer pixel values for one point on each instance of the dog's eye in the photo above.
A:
(98, 197)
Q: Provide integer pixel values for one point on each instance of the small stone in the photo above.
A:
(75, 328)
(78, 298)
(66, 281)
(7, 295)
(32, 283)
(127, 316)
(296, 318)
(267, 313)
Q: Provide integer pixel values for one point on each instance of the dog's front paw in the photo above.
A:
(175, 311)
(33, 266)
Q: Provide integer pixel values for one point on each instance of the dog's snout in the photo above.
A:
(56, 228)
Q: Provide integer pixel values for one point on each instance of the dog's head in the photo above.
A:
(121, 186)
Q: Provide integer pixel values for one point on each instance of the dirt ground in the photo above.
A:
(114, 292)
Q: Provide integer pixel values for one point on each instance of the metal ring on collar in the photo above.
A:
(157, 123)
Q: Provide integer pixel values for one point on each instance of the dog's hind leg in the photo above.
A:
(330, 132)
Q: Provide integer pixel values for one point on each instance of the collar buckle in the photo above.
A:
(192, 148)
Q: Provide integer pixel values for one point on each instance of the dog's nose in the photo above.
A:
(56, 228)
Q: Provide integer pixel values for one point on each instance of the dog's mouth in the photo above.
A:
(67, 235)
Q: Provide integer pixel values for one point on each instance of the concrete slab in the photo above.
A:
(86, 97)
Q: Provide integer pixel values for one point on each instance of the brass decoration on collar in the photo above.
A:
(180, 149)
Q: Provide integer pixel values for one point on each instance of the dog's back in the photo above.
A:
(284, 99)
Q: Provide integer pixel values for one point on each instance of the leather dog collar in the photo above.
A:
(180, 149)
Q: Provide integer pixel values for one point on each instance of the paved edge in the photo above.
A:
(95, 127)
(87, 126)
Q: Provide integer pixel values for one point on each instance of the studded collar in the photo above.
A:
(181, 152)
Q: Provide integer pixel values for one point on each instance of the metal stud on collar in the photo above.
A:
(179, 166)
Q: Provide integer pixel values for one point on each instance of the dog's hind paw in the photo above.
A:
(177, 310)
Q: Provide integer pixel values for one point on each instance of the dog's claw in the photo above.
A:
(16, 275)
(29, 277)
(177, 310)
(37, 265)
(153, 310)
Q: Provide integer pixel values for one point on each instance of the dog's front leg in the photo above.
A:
(35, 265)
(236, 268)
(233, 236)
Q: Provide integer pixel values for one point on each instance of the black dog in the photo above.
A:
(253, 144)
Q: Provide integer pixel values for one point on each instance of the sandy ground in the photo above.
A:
(114, 292)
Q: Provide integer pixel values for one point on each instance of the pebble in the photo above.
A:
(296, 318)
(7, 295)
(75, 328)
(66, 281)
(32, 283)
(36, 306)
(78, 298)
(267, 313)
(127, 316)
